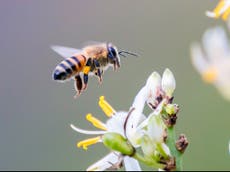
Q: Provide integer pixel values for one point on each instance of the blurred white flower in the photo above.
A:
(221, 10)
(212, 59)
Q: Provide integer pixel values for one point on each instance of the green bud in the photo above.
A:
(171, 109)
(118, 143)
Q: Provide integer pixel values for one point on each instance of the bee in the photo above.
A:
(91, 60)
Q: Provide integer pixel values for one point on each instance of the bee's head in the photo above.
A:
(113, 55)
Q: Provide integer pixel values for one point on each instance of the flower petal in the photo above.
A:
(140, 99)
(166, 149)
(210, 14)
(198, 58)
(116, 122)
(216, 44)
(224, 89)
(153, 85)
(156, 128)
(157, 111)
(133, 120)
(105, 163)
(131, 164)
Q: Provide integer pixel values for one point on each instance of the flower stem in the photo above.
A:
(171, 140)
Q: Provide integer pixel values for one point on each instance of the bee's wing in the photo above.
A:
(91, 43)
(65, 51)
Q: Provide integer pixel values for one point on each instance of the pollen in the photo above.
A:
(85, 143)
(86, 69)
(106, 107)
(209, 75)
(96, 122)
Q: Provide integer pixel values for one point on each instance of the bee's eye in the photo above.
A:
(112, 53)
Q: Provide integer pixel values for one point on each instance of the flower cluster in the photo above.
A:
(134, 137)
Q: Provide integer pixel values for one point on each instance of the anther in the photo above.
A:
(96, 122)
(226, 14)
(87, 142)
(209, 75)
(218, 8)
(106, 107)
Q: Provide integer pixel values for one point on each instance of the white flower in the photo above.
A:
(125, 131)
(212, 60)
(116, 124)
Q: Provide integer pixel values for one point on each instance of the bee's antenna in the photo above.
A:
(126, 52)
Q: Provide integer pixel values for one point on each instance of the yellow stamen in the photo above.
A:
(226, 14)
(87, 142)
(219, 6)
(106, 107)
(209, 75)
(96, 122)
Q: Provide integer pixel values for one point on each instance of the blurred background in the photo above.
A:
(35, 111)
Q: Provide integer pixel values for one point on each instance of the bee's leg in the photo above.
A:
(78, 85)
(86, 71)
(114, 66)
(98, 72)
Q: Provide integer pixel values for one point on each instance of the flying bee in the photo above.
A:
(90, 60)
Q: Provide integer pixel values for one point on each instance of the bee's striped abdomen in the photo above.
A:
(69, 67)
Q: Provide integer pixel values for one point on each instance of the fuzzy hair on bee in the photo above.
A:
(92, 59)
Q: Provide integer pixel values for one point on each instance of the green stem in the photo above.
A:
(148, 162)
(171, 142)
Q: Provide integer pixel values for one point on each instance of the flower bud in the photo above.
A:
(171, 109)
(153, 84)
(168, 82)
(118, 143)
